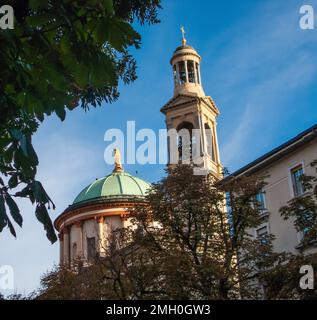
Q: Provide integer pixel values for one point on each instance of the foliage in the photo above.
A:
(60, 55)
(282, 282)
(181, 245)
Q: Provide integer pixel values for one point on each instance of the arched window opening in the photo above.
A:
(209, 142)
(185, 141)
(191, 71)
(182, 72)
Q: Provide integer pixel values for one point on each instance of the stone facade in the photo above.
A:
(281, 165)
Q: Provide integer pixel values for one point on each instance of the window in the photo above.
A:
(307, 221)
(182, 72)
(261, 201)
(91, 248)
(191, 71)
(296, 174)
(262, 233)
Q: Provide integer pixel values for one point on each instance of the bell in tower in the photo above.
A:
(191, 115)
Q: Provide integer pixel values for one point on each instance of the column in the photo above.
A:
(200, 82)
(66, 246)
(202, 132)
(61, 247)
(79, 225)
(186, 71)
(178, 75)
(123, 220)
(216, 149)
(100, 221)
(195, 73)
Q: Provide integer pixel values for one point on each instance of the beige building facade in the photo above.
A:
(283, 167)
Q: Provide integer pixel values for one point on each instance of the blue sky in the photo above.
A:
(259, 67)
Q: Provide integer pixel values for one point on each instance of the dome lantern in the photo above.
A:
(186, 69)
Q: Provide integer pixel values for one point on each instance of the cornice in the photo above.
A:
(70, 213)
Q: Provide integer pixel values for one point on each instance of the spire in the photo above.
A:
(117, 161)
(183, 36)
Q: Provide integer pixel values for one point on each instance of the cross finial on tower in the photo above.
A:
(183, 36)
(117, 160)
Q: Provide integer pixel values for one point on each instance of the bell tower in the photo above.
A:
(192, 114)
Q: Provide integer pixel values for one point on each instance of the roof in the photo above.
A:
(117, 185)
(182, 99)
(184, 50)
(184, 47)
(279, 152)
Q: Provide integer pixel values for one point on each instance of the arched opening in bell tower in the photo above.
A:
(209, 142)
(185, 141)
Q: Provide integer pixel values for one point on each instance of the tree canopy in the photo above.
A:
(184, 245)
(60, 55)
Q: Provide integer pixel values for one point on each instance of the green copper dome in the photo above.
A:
(117, 185)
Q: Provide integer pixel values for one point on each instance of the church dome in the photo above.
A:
(115, 186)
(185, 50)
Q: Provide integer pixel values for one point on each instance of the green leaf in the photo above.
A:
(121, 34)
(61, 113)
(26, 192)
(4, 142)
(8, 154)
(13, 181)
(14, 210)
(102, 30)
(39, 192)
(65, 44)
(108, 5)
(31, 152)
(28, 150)
(3, 214)
(16, 133)
(11, 228)
(23, 144)
(38, 20)
(24, 163)
(36, 4)
(42, 215)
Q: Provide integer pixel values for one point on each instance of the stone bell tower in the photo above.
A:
(191, 111)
